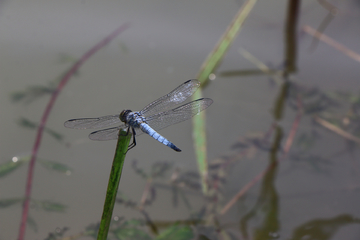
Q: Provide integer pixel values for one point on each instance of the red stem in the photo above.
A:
(45, 116)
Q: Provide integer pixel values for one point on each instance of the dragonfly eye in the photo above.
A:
(124, 114)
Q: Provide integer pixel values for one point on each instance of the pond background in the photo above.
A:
(164, 46)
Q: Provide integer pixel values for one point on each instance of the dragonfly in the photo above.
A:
(157, 115)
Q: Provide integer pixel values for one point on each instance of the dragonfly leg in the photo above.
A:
(133, 144)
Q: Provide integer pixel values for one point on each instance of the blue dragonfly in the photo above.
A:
(155, 116)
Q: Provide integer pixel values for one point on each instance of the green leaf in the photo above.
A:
(9, 166)
(59, 233)
(54, 134)
(26, 123)
(17, 96)
(131, 234)
(159, 169)
(176, 233)
(31, 93)
(92, 230)
(123, 47)
(138, 170)
(55, 166)
(4, 203)
(306, 141)
(32, 224)
(133, 223)
(66, 58)
(50, 206)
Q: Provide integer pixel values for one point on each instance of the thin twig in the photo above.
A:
(243, 191)
(45, 116)
(337, 130)
(293, 130)
(145, 194)
(330, 7)
(338, 46)
(277, 75)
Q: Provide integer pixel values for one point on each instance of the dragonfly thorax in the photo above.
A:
(132, 119)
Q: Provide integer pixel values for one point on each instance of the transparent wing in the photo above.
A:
(179, 114)
(106, 134)
(177, 96)
(110, 133)
(89, 123)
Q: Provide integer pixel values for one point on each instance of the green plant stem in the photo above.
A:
(291, 35)
(209, 66)
(280, 101)
(114, 180)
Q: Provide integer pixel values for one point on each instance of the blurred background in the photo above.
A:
(310, 189)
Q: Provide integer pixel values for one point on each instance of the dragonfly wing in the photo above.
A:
(179, 114)
(106, 134)
(110, 133)
(89, 123)
(177, 96)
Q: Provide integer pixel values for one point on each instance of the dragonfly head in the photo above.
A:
(124, 114)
